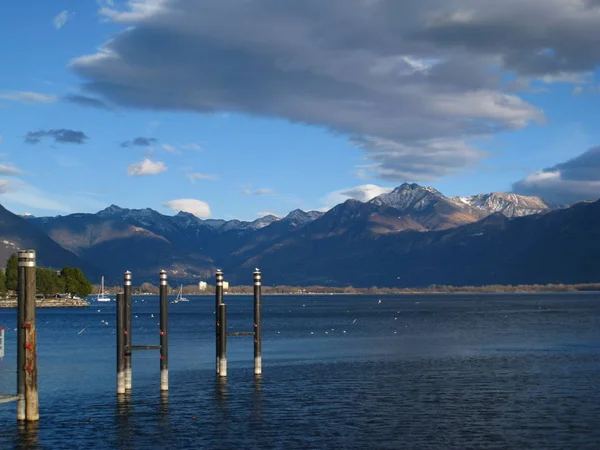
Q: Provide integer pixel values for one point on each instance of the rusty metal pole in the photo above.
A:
(257, 324)
(26, 260)
(23, 255)
(164, 346)
(218, 302)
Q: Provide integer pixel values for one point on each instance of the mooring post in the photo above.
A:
(28, 344)
(164, 349)
(257, 324)
(21, 336)
(223, 340)
(128, 353)
(120, 344)
(218, 302)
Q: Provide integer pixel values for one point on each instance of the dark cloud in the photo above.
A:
(139, 142)
(60, 135)
(409, 80)
(565, 183)
(89, 102)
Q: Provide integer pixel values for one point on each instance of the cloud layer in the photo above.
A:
(198, 208)
(60, 136)
(28, 97)
(565, 183)
(146, 167)
(413, 83)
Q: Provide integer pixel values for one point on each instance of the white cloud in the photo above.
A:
(169, 148)
(135, 10)
(201, 176)
(362, 193)
(578, 90)
(6, 169)
(61, 19)
(258, 192)
(198, 208)
(192, 147)
(28, 97)
(6, 186)
(146, 167)
(18, 195)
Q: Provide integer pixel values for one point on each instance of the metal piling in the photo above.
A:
(120, 343)
(218, 302)
(128, 353)
(164, 350)
(257, 324)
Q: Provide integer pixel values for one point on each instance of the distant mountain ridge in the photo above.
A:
(347, 236)
(510, 205)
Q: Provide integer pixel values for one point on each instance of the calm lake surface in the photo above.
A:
(339, 372)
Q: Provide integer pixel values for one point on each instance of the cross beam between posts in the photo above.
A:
(221, 326)
(124, 336)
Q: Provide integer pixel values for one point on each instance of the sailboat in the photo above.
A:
(180, 297)
(102, 297)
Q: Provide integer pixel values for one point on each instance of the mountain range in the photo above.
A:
(411, 236)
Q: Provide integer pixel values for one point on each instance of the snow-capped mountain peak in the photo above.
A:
(511, 205)
(409, 196)
(298, 217)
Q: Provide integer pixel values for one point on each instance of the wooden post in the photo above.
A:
(21, 337)
(257, 324)
(26, 260)
(120, 344)
(164, 348)
(218, 302)
(128, 353)
(223, 340)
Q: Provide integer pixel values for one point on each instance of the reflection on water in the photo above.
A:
(27, 433)
(339, 372)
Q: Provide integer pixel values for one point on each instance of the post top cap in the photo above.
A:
(127, 272)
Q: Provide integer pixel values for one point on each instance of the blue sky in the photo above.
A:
(256, 107)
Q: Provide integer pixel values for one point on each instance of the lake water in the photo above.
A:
(339, 372)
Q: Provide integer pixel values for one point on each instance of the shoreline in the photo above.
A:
(47, 303)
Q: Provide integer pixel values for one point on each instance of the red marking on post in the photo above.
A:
(161, 332)
(124, 331)
(255, 326)
(28, 368)
(161, 357)
(28, 347)
(27, 325)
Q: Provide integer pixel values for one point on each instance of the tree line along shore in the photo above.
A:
(66, 287)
